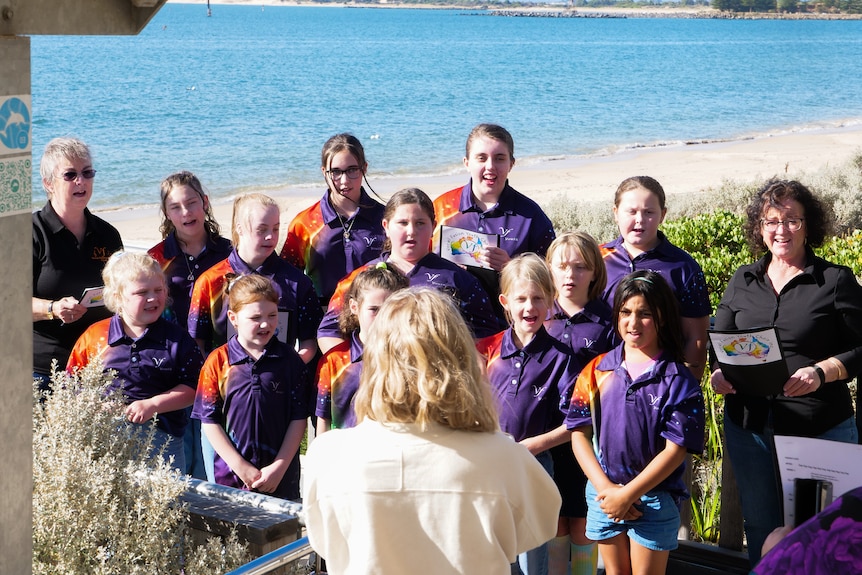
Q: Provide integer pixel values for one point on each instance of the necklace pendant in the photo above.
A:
(346, 235)
(191, 277)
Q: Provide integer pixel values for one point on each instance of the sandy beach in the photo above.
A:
(681, 168)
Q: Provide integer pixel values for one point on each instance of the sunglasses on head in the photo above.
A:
(72, 175)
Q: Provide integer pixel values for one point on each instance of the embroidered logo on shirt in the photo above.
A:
(537, 389)
(505, 231)
(589, 342)
(370, 240)
(158, 361)
(432, 277)
(654, 399)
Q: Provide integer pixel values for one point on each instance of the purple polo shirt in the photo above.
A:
(254, 402)
(588, 333)
(208, 311)
(530, 385)
(316, 242)
(675, 265)
(430, 271)
(181, 271)
(161, 359)
(518, 220)
(338, 382)
(633, 419)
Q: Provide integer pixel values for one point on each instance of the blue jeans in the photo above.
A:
(753, 458)
(192, 444)
(535, 561)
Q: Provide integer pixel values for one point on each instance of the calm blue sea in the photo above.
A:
(246, 98)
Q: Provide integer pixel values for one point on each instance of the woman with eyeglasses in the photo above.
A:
(816, 309)
(70, 248)
(344, 229)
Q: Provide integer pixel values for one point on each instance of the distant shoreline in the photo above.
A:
(548, 11)
(685, 167)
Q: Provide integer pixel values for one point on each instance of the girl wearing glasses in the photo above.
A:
(639, 209)
(70, 248)
(343, 230)
(816, 309)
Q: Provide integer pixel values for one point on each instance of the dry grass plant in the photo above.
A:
(98, 506)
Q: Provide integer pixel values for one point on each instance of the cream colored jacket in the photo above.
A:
(390, 499)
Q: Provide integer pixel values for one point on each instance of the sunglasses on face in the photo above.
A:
(72, 175)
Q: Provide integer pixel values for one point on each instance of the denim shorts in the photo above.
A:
(657, 529)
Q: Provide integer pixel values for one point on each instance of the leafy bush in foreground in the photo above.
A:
(97, 507)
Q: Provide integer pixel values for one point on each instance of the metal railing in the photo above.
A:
(279, 558)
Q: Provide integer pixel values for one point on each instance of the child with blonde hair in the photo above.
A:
(255, 237)
(427, 463)
(155, 361)
(581, 320)
(635, 413)
(338, 372)
(251, 397)
(530, 372)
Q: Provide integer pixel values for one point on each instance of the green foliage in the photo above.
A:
(99, 507)
(716, 242)
(845, 251)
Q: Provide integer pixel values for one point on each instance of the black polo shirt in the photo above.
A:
(817, 315)
(63, 268)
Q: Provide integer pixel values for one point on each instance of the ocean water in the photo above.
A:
(246, 98)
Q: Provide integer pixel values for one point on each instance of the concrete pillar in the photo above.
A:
(16, 342)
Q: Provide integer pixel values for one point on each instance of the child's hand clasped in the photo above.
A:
(270, 477)
(617, 505)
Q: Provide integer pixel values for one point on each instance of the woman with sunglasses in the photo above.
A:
(343, 230)
(70, 248)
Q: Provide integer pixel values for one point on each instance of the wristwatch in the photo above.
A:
(50, 310)
(820, 373)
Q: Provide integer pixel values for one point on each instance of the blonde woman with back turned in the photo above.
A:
(426, 482)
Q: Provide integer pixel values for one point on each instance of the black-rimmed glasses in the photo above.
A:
(352, 172)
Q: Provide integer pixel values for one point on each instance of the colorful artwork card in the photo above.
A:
(92, 297)
(465, 246)
(751, 360)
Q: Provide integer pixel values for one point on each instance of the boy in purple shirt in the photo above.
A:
(489, 205)
(252, 397)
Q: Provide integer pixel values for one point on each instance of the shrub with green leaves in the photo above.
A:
(98, 506)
